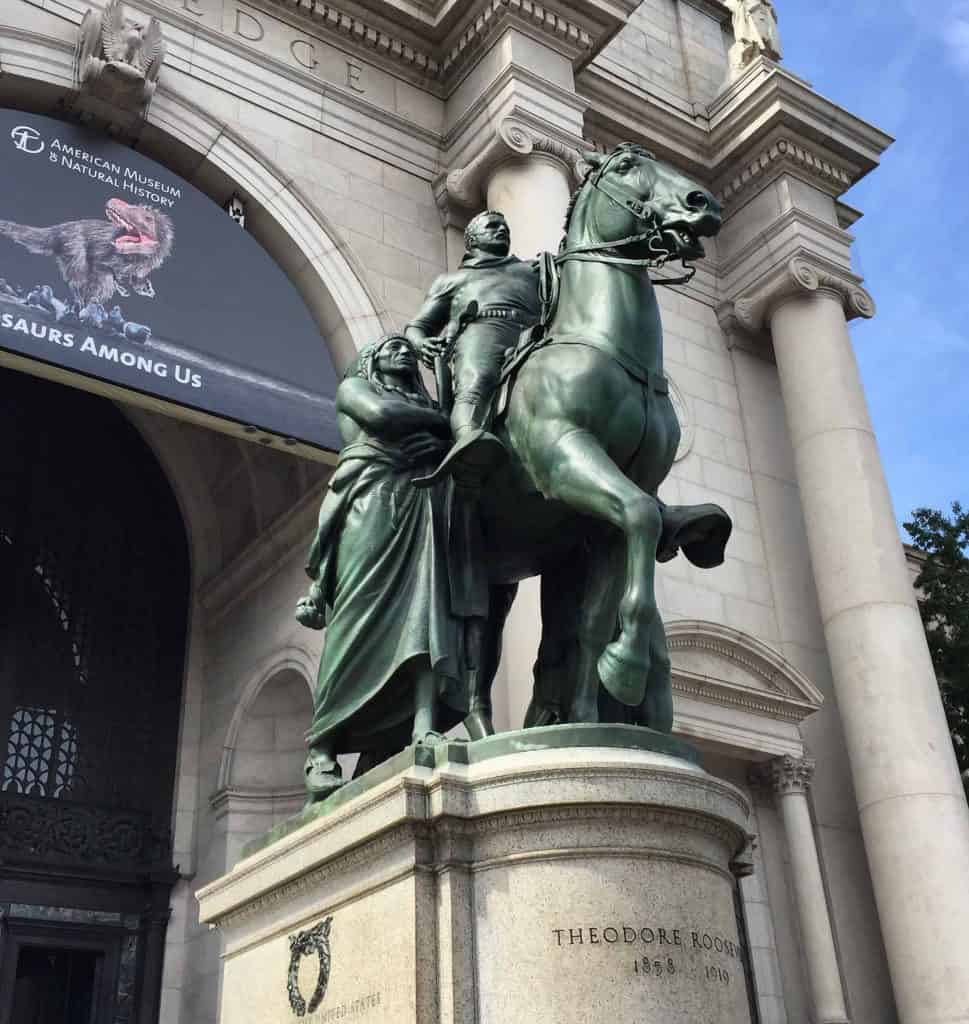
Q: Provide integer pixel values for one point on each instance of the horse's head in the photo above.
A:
(629, 192)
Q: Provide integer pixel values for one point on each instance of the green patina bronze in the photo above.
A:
(554, 473)
(392, 670)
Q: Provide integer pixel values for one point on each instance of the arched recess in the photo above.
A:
(261, 772)
(734, 693)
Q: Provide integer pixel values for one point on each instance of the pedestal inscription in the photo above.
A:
(555, 886)
(657, 952)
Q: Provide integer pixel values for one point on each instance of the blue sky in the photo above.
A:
(904, 66)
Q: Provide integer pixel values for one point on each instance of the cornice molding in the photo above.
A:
(443, 43)
(781, 678)
(776, 157)
(785, 775)
(767, 122)
(564, 34)
(384, 42)
(804, 273)
(768, 99)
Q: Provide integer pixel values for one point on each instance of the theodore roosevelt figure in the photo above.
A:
(505, 289)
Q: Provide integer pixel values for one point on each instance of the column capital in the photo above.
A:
(513, 137)
(784, 775)
(804, 273)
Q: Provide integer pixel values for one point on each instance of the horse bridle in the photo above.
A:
(598, 252)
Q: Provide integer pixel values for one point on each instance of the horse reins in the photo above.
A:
(595, 253)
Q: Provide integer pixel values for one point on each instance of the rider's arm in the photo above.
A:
(434, 315)
(386, 416)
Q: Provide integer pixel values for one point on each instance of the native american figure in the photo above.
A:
(755, 33)
(119, 60)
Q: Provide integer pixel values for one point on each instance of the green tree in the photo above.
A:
(944, 603)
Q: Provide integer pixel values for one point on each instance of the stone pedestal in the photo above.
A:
(497, 882)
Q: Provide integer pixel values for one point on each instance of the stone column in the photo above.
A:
(533, 193)
(790, 778)
(526, 175)
(911, 803)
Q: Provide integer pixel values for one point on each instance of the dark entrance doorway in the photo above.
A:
(55, 986)
(94, 584)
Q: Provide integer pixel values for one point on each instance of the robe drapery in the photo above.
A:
(380, 562)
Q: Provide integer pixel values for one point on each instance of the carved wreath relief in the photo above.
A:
(314, 942)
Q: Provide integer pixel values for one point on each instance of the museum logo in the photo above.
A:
(27, 139)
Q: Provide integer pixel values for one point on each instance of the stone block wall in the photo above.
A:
(671, 50)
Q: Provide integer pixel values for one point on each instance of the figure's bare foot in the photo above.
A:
(430, 738)
(323, 776)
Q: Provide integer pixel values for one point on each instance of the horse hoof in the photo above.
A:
(479, 724)
(622, 675)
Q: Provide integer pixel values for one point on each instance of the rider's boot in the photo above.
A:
(476, 452)
(479, 722)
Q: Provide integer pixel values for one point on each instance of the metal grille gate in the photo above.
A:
(93, 608)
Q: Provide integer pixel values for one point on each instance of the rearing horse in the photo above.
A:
(592, 434)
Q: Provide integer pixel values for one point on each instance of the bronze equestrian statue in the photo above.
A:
(585, 422)
(592, 434)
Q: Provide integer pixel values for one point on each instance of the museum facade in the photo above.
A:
(155, 686)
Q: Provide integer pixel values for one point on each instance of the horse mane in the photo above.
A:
(570, 209)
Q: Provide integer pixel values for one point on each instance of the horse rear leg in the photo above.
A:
(554, 674)
(584, 477)
(598, 617)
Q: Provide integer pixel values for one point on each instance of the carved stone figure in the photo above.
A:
(119, 60)
(392, 670)
(505, 291)
(755, 33)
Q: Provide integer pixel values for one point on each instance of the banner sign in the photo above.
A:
(113, 268)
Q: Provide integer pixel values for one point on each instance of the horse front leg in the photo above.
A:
(584, 477)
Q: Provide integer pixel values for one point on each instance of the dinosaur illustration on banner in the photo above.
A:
(98, 258)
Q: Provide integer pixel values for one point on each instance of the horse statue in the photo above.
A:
(586, 418)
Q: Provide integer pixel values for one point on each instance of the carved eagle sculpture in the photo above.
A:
(117, 58)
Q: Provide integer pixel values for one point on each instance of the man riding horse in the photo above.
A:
(501, 292)
(585, 436)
